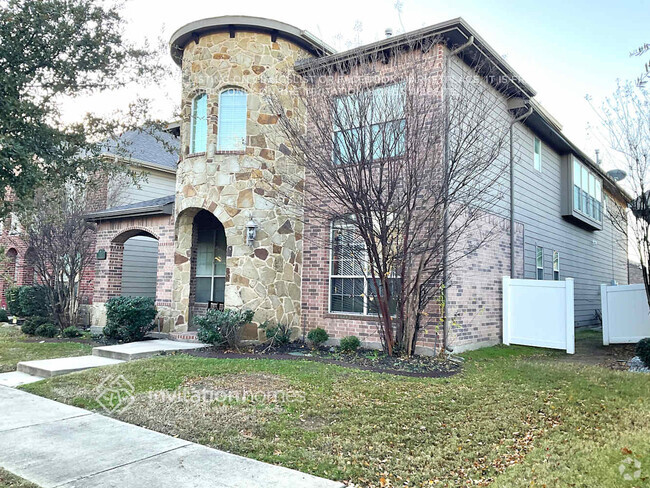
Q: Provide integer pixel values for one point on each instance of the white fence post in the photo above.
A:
(604, 312)
(506, 310)
(570, 324)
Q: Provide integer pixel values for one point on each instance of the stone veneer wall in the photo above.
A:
(111, 235)
(267, 276)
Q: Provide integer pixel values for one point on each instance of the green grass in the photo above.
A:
(514, 417)
(9, 480)
(16, 346)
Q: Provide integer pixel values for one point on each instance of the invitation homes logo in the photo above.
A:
(630, 468)
(115, 393)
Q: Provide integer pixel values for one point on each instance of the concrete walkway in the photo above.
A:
(56, 445)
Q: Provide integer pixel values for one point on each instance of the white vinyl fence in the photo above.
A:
(538, 313)
(625, 314)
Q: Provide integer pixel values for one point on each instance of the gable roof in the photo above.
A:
(158, 148)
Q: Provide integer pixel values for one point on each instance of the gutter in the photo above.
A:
(512, 189)
(166, 209)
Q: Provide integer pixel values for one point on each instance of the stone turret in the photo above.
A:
(254, 56)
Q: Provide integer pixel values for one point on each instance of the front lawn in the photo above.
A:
(9, 480)
(16, 346)
(514, 417)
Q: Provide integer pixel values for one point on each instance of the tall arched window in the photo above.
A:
(232, 120)
(199, 127)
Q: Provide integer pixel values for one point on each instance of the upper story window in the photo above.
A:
(232, 120)
(582, 194)
(537, 158)
(199, 124)
(587, 192)
(370, 124)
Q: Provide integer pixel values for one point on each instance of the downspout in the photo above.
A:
(445, 218)
(512, 190)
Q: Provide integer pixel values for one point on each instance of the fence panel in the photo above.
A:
(626, 318)
(539, 313)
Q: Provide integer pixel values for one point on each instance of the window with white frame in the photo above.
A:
(14, 225)
(370, 125)
(537, 157)
(556, 265)
(232, 120)
(199, 124)
(587, 192)
(539, 262)
(351, 289)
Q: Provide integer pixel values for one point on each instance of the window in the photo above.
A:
(587, 192)
(370, 125)
(537, 158)
(14, 225)
(556, 265)
(539, 260)
(210, 265)
(351, 291)
(232, 120)
(199, 124)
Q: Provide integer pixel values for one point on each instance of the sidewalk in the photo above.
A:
(52, 445)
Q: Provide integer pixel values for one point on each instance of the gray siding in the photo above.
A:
(156, 184)
(591, 258)
(140, 267)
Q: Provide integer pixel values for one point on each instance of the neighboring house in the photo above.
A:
(154, 158)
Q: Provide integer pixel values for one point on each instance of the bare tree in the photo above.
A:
(61, 243)
(626, 117)
(406, 167)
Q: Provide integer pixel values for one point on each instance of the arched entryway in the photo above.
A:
(134, 263)
(208, 261)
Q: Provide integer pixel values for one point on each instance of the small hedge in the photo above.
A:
(220, 327)
(31, 324)
(13, 305)
(643, 351)
(71, 332)
(350, 344)
(34, 301)
(318, 336)
(278, 335)
(129, 319)
(47, 329)
(3, 315)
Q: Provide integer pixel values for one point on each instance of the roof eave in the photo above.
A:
(167, 209)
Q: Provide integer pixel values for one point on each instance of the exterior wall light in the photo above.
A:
(251, 232)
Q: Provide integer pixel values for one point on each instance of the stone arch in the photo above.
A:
(133, 263)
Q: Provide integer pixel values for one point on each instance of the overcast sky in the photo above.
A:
(565, 49)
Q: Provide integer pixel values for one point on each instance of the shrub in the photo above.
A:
(317, 336)
(32, 323)
(13, 305)
(219, 327)
(3, 315)
(278, 335)
(643, 351)
(71, 332)
(34, 300)
(47, 329)
(129, 319)
(350, 344)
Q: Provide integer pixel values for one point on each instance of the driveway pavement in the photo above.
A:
(56, 445)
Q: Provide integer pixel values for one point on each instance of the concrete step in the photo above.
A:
(17, 378)
(47, 368)
(144, 349)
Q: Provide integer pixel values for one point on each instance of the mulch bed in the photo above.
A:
(364, 359)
